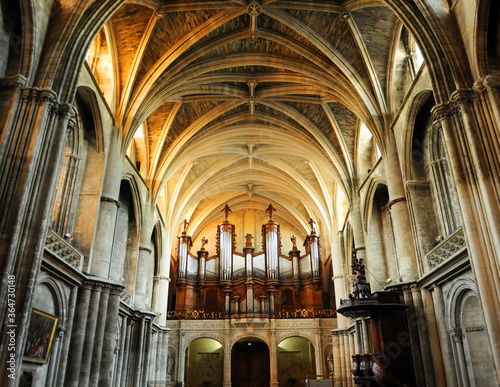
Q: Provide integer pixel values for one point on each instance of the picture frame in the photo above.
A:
(41, 334)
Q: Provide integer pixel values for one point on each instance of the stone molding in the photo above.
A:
(450, 247)
(14, 82)
(394, 201)
(110, 200)
(414, 185)
(145, 248)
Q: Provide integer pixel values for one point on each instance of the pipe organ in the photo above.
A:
(250, 283)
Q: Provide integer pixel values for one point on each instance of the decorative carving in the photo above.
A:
(345, 16)
(184, 226)
(413, 185)
(313, 228)
(454, 244)
(254, 8)
(474, 328)
(293, 238)
(63, 250)
(360, 287)
(248, 240)
(307, 313)
(226, 210)
(126, 297)
(194, 314)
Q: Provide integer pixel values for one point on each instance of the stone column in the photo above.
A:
(78, 336)
(100, 259)
(351, 352)
(31, 150)
(413, 331)
(400, 216)
(423, 336)
(152, 361)
(437, 354)
(227, 359)
(337, 359)
(456, 334)
(99, 336)
(446, 345)
(67, 337)
(161, 360)
(110, 337)
(140, 352)
(164, 282)
(318, 353)
(142, 278)
(470, 148)
(343, 364)
(90, 329)
(121, 346)
(347, 359)
(273, 355)
(55, 356)
(357, 228)
(126, 353)
(181, 364)
(338, 277)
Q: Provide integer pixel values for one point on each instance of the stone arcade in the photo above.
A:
(194, 190)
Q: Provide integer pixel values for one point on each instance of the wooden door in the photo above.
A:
(250, 365)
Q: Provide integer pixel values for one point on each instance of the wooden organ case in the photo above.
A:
(248, 284)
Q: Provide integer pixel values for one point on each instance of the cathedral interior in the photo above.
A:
(250, 193)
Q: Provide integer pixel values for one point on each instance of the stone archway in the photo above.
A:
(250, 364)
(204, 363)
(296, 360)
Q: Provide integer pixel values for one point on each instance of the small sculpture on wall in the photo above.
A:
(204, 241)
(170, 365)
(293, 238)
(329, 362)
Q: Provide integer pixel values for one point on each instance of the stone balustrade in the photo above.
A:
(63, 250)
(450, 247)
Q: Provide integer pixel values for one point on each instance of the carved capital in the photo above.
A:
(488, 84)
(441, 111)
(47, 96)
(463, 98)
(15, 82)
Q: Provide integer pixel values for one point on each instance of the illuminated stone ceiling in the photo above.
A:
(249, 103)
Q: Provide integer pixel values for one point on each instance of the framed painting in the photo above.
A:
(40, 336)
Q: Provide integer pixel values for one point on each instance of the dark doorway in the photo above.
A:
(250, 363)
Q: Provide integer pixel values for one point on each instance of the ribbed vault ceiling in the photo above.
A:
(250, 103)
